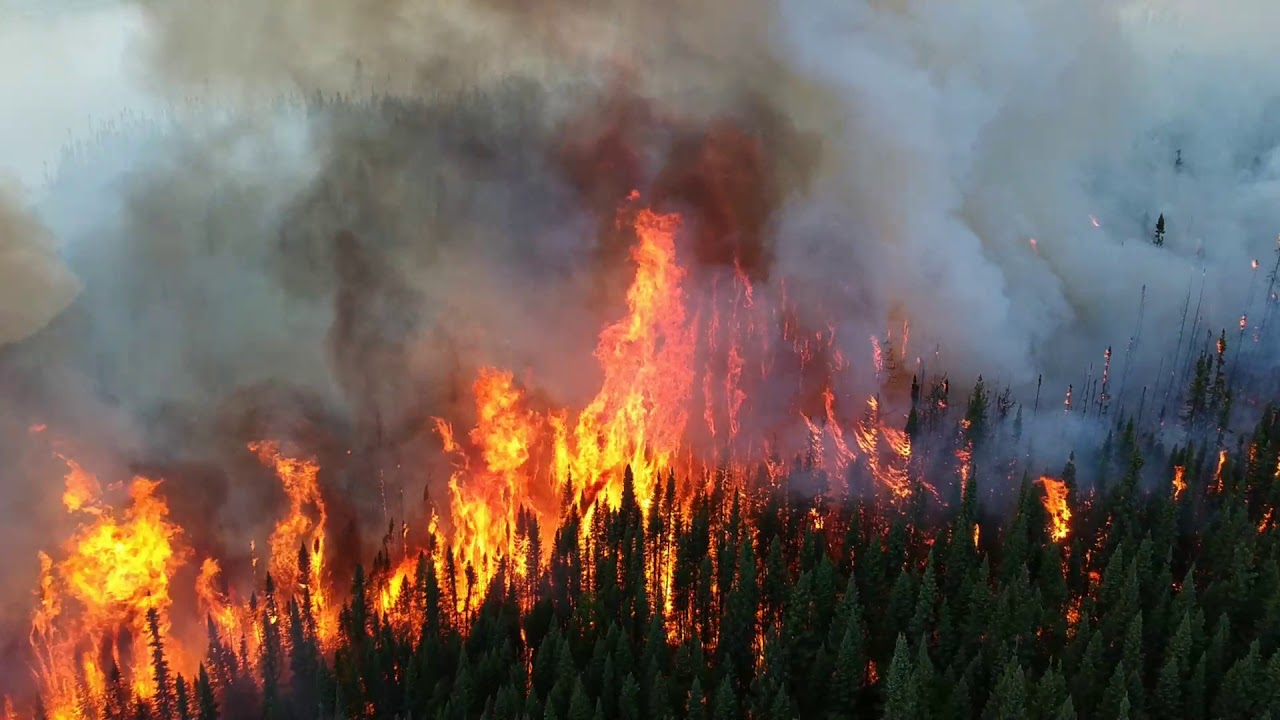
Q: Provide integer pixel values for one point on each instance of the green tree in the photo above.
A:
(1008, 699)
(901, 702)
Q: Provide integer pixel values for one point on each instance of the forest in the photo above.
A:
(1143, 583)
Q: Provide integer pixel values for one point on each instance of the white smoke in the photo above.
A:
(971, 128)
(950, 136)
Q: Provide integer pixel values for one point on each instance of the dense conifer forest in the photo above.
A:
(1158, 596)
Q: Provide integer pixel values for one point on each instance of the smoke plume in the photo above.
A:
(35, 285)
(348, 207)
(917, 147)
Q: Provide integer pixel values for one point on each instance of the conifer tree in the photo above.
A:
(182, 699)
(1008, 699)
(164, 699)
(206, 706)
(901, 702)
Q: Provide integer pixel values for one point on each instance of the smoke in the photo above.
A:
(349, 206)
(35, 285)
(948, 138)
(447, 199)
(972, 129)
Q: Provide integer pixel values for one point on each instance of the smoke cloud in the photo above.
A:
(926, 144)
(349, 206)
(35, 285)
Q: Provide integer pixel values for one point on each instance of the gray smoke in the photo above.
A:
(353, 205)
(347, 206)
(35, 284)
(950, 136)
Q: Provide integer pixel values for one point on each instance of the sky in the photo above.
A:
(67, 66)
(71, 65)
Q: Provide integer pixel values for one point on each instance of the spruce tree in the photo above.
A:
(696, 706)
(182, 699)
(164, 699)
(901, 702)
(206, 706)
(1008, 699)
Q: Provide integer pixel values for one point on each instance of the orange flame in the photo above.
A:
(302, 527)
(639, 415)
(887, 451)
(116, 568)
(636, 420)
(1055, 502)
(1179, 481)
(485, 506)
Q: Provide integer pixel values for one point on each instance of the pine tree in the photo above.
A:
(164, 698)
(659, 696)
(1158, 238)
(738, 624)
(726, 703)
(782, 707)
(901, 702)
(923, 618)
(1243, 686)
(271, 654)
(579, 704)
(1008, 700)
(207, 707)
(629, 699)
(1116, 694)
(116, 705)
(696, 707)
(976, 415)
(842, 693)
(182, 698)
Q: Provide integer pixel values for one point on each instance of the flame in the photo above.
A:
(511, 468)
(229, 618)
(116, 568)
(1055, 502)
(1217, 473)
(1179, 481)
(636, 420)
(964, 454)
(485, 506)
(302, 528)
(887, 451)
(82, 489)
(639, 415)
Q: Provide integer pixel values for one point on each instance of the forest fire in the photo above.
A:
(92, 618)
(1055, 502)
(509, 486)
(719, 360)
(671, 439)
